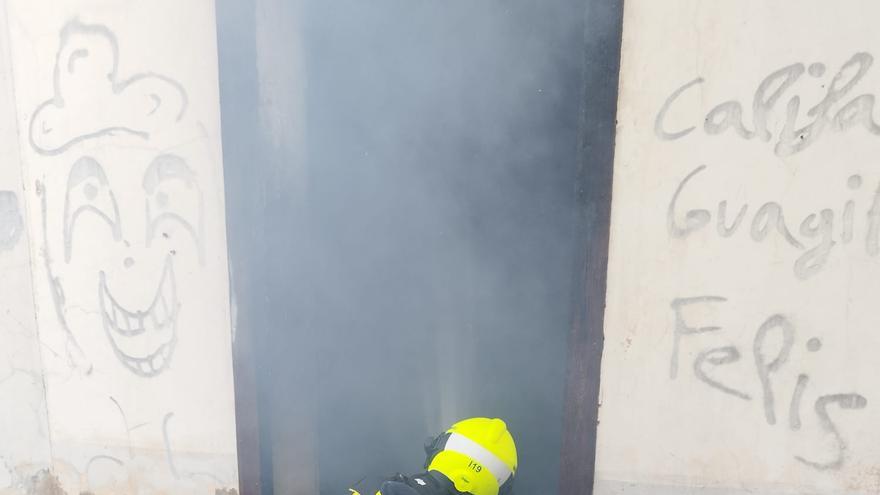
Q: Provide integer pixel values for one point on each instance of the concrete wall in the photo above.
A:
(741, 326)
(25, 449)
(115, 369)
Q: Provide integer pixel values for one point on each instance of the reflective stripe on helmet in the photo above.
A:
(465, 446)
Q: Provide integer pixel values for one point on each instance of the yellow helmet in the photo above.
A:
(477, 455)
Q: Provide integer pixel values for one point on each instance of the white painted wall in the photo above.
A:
(794, 408)
(24, 449)
(114, 152)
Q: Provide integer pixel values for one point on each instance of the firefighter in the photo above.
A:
(476, 456)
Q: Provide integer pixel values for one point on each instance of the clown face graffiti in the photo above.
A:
(124, 214)
(116, 249)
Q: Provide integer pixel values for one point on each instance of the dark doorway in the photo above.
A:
(405, 260)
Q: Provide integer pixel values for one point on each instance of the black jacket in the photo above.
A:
(430, 483)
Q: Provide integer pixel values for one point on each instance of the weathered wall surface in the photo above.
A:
(114, 168)
(24, 434)
(741, 326)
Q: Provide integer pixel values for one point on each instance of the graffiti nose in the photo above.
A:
(128, 262)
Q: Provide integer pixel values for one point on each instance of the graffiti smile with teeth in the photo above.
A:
(117, 259)
(143, 340)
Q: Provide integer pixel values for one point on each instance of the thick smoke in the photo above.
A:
(425, 274)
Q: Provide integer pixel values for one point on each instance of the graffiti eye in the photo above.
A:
(174, 209)
(162, 200)
(89, 199)
(174, 201)
(91, 192)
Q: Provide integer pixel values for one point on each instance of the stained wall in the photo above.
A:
(118, 318)
(741, 322)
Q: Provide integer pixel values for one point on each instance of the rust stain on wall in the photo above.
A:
(44, 483)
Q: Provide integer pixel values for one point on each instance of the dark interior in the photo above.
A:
(410, 258)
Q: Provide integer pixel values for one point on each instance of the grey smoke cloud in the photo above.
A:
(430, 279)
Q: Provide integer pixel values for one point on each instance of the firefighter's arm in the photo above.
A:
(396, 488)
